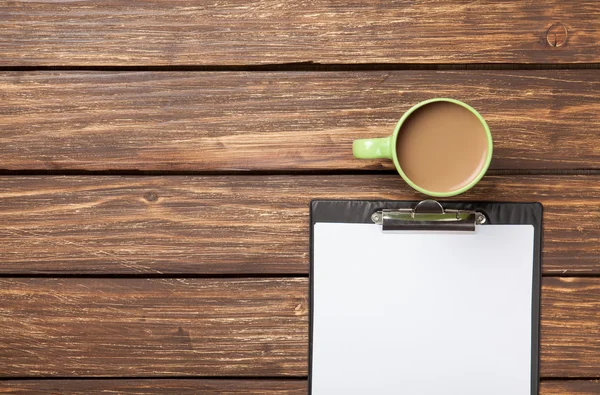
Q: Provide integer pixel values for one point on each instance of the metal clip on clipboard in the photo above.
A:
(428, 215)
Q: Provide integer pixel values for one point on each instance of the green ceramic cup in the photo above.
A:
(385, 148)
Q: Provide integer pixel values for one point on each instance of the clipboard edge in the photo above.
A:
(537, 211)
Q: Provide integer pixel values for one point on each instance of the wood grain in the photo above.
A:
(574, 387)
(211, 327)
(570, 309)
(166, 121)
(184, 32)
(225, 387)
(156, 387)
(160, 327)
(240, 224)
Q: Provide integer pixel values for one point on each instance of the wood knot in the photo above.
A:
(300, 309)
(151, 197)
(557, 35)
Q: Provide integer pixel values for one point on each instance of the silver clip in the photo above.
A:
(428, 215)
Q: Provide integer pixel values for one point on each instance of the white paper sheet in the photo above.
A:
(423, 313)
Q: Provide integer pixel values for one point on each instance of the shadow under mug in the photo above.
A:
(385, 148)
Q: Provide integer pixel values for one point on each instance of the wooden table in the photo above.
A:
(158, 158)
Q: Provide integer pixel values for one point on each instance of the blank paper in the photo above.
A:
(423, 313)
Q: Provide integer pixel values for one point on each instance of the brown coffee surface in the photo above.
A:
(442, 147)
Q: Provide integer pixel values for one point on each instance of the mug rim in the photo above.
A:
(475, 180)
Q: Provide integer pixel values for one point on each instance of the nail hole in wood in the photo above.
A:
(151, 197)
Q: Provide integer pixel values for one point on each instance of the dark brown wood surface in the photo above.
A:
(574, 387)
(221, 327)
(183, 32)
(161, 386)
(153, 327)
(221, 387)
(173, 271)
(576, 302)
(281, 121)
(240, 224)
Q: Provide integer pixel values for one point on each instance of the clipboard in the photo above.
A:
(359, 311)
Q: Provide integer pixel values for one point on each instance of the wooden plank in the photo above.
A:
(240, 224)
(155, 387)
(571, 387)
(281, 121)
(570, 308)
(225, 387)
(174, 327)
(160, 327)
(182, 32)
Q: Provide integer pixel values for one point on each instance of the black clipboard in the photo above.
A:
(457, 216)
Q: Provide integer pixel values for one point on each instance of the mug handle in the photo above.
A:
(380, 148)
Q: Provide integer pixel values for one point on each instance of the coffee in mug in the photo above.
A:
(441, 147)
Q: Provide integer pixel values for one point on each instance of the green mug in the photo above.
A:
(386, 148)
